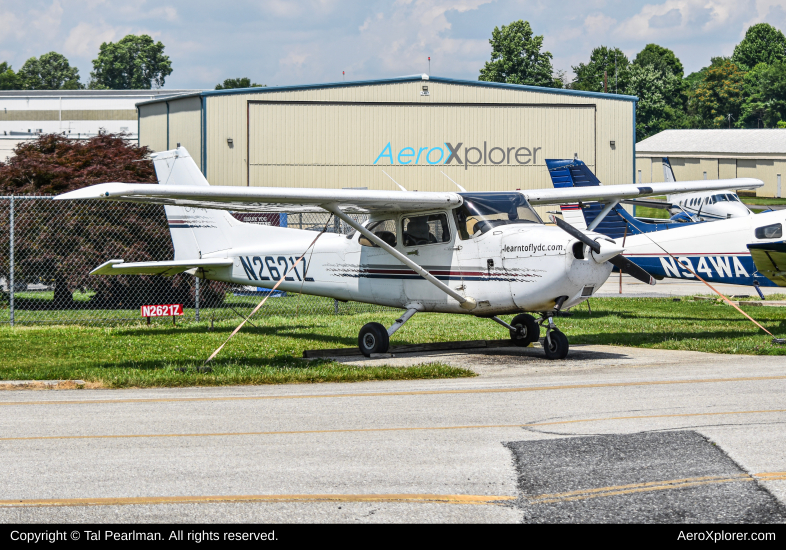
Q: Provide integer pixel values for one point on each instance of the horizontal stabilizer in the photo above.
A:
(169, 268)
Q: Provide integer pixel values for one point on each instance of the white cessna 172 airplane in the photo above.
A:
(484, 254)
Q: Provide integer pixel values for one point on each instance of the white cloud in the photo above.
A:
(598, 23)
(402, 38)
(10, 26)
(294, 59)
(168, 13)
(47, 20)
(85, 39)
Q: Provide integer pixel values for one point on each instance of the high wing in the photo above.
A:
(261, 199)
(169, 268)
(183, 185)
(629, 191)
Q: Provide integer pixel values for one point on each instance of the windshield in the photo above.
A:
(725, 197)
(483, 211)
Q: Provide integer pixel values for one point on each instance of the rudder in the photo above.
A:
(194, 231)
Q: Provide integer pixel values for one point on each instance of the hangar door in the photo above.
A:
(483, 147)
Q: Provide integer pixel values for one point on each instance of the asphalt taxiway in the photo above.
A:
(609, 434)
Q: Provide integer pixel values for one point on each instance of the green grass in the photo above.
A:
(160, 355)
(764, 201)
(34, 310)
(644, 212)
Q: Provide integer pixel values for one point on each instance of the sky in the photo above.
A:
(283, 42)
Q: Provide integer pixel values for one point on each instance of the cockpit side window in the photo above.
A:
(427, 229)
(384, 229)
(774, 231)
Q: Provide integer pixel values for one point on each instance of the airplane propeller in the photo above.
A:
(616, 259)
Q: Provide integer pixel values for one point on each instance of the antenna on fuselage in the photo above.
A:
(394, 181)
(456, 184)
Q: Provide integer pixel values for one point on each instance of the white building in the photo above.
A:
(716, 154)
(25, 114)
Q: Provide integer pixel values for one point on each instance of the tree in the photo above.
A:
(516, 58)
(133, 63)
(51, 71)
(660, 58)
(8, 78)
(658, 108)
(765, 96)
(719, 94)
(62, 241)
(589, 77)
(231, 83)
(763, 43)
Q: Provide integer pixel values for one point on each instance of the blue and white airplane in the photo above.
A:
(748, 250)
(702, 206)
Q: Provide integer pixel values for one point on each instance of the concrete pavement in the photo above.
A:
(632, 288)
(527, 440)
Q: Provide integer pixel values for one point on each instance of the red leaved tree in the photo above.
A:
(60, 242)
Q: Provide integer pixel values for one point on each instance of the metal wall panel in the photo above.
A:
(70, 114)
(686, 169)
(613, 121)
(153, 126)
(727, 168)
(185, 126)
(710, 166)
(765, 170)
(646, 166)
(293, 144)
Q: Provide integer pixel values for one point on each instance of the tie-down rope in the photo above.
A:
(690, 268)
(281, 280)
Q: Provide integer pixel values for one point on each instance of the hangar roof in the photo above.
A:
(723, 142)
(92, 94)
(410, 78)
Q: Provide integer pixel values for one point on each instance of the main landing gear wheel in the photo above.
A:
(373, 338)
(555, 345)
(528, 330)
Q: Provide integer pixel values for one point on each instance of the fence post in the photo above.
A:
(196, 298)
(11, 258)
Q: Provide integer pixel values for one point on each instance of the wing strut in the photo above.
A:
(603, 214)
(465, 301)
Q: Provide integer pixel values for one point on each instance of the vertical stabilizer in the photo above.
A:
(668, 173)
(195, 231)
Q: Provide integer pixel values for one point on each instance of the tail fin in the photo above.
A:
(572, 173)
(668, 173)
(195, 231)
(575, 173)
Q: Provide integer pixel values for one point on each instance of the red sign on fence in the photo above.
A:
(162, 310)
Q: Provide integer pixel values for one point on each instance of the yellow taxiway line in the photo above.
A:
(584, 494)
(401, 498)
(117, 501)
(394, 393)
(398, 429)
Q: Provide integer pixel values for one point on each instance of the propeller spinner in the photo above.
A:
(603, 252)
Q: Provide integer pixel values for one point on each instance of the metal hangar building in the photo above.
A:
(716, 154)
(486, 136)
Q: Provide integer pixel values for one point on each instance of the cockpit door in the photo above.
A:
(428, 239)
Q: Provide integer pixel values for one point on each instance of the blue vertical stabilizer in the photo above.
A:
(574, 173)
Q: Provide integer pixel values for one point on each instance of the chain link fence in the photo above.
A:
(48, 248)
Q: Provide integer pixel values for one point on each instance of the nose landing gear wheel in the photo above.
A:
(555, 345)
(373, 338)
(529, 330)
